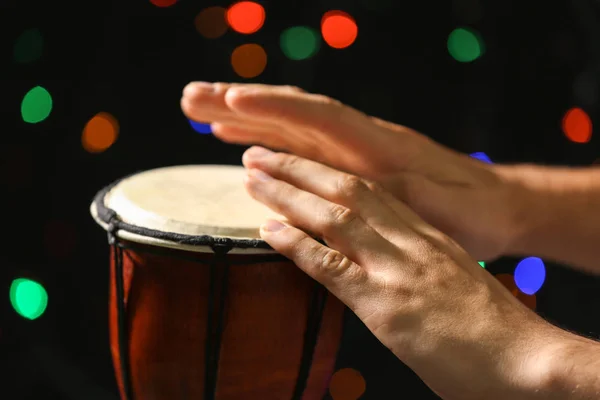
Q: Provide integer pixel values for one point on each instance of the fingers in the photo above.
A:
(341, 228)
(387, 215)
(333, 185)
(205, 102)
(343, 278)
(247, 135)
(291, 106)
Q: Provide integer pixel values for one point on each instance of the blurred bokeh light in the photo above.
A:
(530, 275)
(577, 125)
(28, 298)
(299, 42)
(28, 46)
(100, 132)
(465, 45)
(481, 156)
(211, 22)
(339, 29)
(509, 283)
(200, 127)
(249, 60)
(246, 17)
(36, 105)
(347, 384)
(163, 3)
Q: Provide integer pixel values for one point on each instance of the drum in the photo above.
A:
(200, 307)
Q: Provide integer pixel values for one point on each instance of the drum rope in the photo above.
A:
(217, 294)
(311, 335)
(214, 334)
(121, 311)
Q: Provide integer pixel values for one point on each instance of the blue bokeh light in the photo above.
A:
(481, 156)
(530, 275)
(200, 127)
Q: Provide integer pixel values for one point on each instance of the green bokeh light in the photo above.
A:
(465, 45)
(36, 105)
(28, 298)
(299, 42)
(482, 263)
(28, 46)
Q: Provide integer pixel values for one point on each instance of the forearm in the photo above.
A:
(558, 216)
(537, 361)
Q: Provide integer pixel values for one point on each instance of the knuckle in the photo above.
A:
(350, 186)
(335, 108)
(334, 264)
(437, 239)
(285, 161)
(304, 247)
(221, 87)
(330, 102)
(338, 218)
(294, 88)
(374, 187)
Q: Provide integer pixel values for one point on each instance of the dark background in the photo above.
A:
(132, 59)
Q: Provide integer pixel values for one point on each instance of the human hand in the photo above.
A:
(416, 290)
(476, 204)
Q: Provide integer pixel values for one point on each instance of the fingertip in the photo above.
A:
(194, 89)
(185, 105)
(247, 160)
(254, 155)
(272, 226)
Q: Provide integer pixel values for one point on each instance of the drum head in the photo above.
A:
(190, 200)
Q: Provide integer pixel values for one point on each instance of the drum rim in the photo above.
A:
(109, 220)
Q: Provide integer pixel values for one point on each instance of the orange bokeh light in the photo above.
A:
(347, 384)
(339, 29)
(577, 125)
(527, 300)
(211, 22)
(100, 133)
(163, 3)
(509, 282)
(246, 17)
(249, 60)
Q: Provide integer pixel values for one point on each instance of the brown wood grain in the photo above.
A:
(265, 319)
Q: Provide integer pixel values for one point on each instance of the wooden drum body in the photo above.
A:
(200, 307)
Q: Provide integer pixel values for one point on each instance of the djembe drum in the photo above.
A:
(200, 307)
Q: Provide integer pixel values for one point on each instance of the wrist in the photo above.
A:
(548, 205)
(526, 206)
(505, 352)
(541, 204)
(566, 366)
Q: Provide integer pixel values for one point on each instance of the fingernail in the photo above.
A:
(193, 87)
(260, 175)
(273, 226)
(257, 152)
